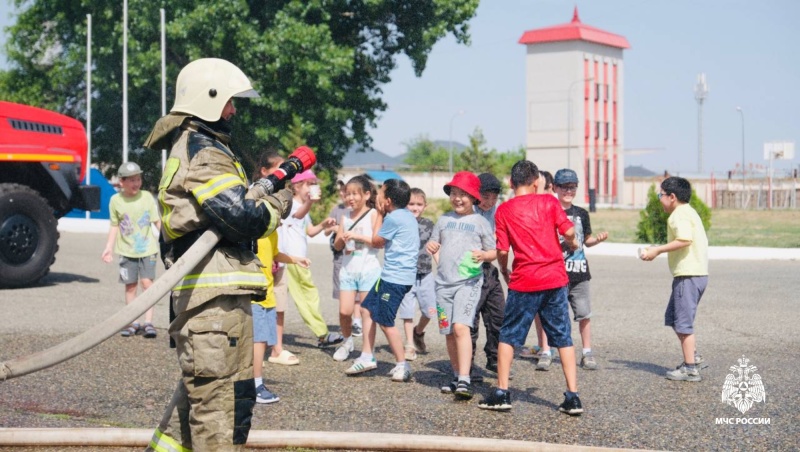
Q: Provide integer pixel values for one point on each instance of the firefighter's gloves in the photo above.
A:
(281, 201)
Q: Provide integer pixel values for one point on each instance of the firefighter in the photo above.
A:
(204, 185)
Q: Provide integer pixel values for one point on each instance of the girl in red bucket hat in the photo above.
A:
(460, 242)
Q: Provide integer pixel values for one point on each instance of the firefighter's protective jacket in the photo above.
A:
(204, 184)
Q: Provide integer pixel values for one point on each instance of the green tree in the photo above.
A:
(318, 64)
(505, 160)
(652, 227)
(476, 157)
(425, 155)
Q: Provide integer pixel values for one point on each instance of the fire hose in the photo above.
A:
(301, 159)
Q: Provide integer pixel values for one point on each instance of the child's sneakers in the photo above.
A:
(401, 373)
(463, 390)
(588, 362)
(263, 395)
(544, 361)
(357, 330)
(329, 340)
(571, 405)
(499, 400)
(361, 366)
(450, 387)
(410, 352)
(529, 352)
(343, 351)
(684, 373)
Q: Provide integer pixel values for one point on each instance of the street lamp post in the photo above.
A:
(450, 156)
(569, 118)
(741, 114)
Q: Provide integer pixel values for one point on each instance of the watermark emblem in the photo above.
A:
(743, 387)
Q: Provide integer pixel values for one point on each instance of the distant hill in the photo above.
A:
(358, 157)
(457, 148)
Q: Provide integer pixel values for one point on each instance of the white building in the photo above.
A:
(574, 97)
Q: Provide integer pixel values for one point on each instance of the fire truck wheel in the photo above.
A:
(28, 236)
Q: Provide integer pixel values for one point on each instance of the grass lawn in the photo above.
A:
(762, 228)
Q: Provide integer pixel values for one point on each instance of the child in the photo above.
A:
(293, 241)
(529, 224)
(687, 250)
(577, 266)
(134, 221)
(460, 242)
(360, 266)
(492, 302)
(336, 213)
(265, 323)
(423, 292)
(397, 231)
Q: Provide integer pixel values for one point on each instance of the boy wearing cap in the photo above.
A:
(132, 235)
(461, 241)
(492, 302)
(566, 186)
(293, 236)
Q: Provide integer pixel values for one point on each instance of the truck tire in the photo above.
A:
(28, 236)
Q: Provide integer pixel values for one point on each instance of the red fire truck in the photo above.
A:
(42, 162)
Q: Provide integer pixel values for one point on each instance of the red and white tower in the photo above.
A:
(574, 94)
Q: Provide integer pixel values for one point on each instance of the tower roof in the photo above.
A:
(574, 31)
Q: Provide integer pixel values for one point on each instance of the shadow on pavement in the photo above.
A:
(636, 365)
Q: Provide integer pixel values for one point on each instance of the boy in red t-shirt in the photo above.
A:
(530, 224)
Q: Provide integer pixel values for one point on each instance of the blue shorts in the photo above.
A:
(360, 282)
(682, 307)
(423, 292)
(265, 324)
(553, 310)
(383, 301)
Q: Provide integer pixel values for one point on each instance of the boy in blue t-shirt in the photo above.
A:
(398, 233)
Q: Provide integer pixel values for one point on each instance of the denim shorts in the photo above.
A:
(362, 281)
(134, 269)
(265, 324)
(383, 301)
(682, 307)
(553, 310)
(423, 292)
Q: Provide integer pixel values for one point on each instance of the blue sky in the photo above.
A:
(747, 48)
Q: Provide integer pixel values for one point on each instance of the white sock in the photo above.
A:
(366, 356)
(357, 322)
(464, 378)
(259, 381)
(401, 364)
(548, 352)
(587, 350)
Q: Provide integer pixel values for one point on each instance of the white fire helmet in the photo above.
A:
(204, 87)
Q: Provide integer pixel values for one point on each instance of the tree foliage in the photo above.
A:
(652, 227)
(318, 64)
(425, 155)
(476, 157)
(422, 154)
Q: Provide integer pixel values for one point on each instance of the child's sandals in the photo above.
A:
(130, 330)
(149, 331)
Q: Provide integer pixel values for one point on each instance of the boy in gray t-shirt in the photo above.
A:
(461, 241)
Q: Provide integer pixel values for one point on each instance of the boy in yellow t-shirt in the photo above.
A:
(687, 246)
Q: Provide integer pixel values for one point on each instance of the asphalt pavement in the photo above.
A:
(750, 309)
